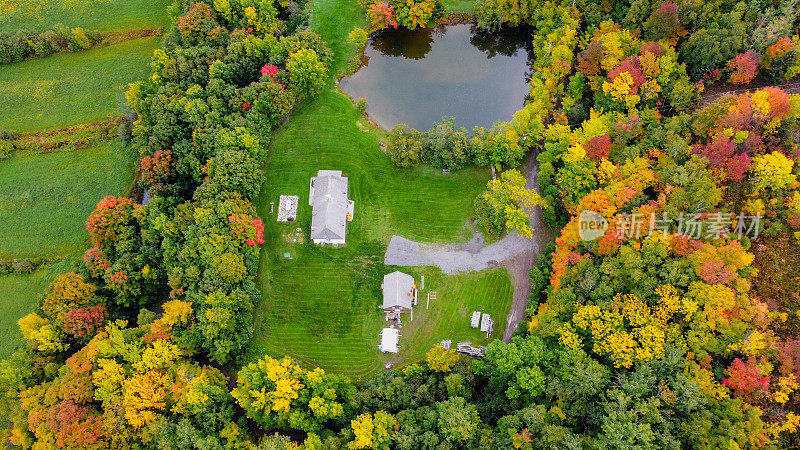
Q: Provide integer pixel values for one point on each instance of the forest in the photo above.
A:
(678, 122)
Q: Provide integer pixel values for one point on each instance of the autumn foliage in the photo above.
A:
(106, 221)
(743, 67)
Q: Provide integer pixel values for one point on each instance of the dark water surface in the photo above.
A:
(417, 77)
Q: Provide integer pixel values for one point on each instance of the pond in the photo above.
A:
(417, 77)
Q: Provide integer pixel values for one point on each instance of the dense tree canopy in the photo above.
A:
(656, 333)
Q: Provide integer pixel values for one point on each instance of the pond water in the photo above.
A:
(417, 77)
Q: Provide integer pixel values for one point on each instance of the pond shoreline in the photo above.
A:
(453, 18)
(455, 69)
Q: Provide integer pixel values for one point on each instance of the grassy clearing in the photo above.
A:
(19, 295)
(46, 198)
(321, 306)
(459, 5)
(71, 88)
(104, 15)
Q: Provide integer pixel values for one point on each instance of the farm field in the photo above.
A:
(19, 295)
(53, 181)
(46, 198)
(103, 15)
(71, 88)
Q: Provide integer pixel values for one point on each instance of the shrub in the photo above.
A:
(80, 39)
(25, 44)
(361, 105)
(358, 37)
(446, 146)
(22, 265)
(405, 146)
(6, 148)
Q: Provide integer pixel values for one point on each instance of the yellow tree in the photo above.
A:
(441, 360)
(509, 198)
(373, 431)
(774, 171)
(145, 397)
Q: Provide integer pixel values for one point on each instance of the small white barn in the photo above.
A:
(398, 292)
(389, 340)
(331, 209)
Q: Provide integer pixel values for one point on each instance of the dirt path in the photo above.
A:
(516, 253)
(717, 90)
(520, 266)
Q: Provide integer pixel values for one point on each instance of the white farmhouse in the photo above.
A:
(331, 209)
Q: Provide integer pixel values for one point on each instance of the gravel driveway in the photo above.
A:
(473, 255)
(515, 253)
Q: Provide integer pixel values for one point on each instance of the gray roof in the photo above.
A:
(397, 290)
(328, 198)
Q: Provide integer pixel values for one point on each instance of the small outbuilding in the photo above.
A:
(389, 340)
(398, 292)
(287, 208)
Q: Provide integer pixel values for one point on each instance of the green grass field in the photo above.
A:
(19, 295)
(46, 198)
(321, 306)
(104, 15)
(71, 88)
(459, 5)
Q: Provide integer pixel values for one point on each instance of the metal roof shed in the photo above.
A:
(398, 291)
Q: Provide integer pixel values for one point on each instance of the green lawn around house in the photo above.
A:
(72, 88)
(320, 305)
(104, 15)
(448, 315)
(45, 198)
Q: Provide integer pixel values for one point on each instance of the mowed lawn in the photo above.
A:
(321, 306)
(448, 315)
(45, 199)
(103, 15)
(71, 88)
